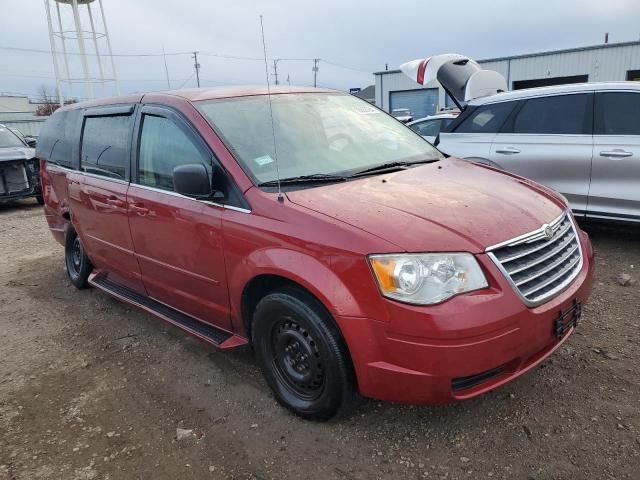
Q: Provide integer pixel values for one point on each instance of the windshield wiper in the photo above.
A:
(314, 178)
(391, 166)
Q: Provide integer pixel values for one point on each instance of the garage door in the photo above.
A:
(421, 103)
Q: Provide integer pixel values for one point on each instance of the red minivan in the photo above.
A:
(350, 253)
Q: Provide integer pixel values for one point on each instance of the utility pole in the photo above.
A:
(275, 69)
(197, 67)
(315, 71)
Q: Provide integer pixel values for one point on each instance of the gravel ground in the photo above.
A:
(93, 389)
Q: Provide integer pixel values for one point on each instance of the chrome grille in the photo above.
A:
(542, 263)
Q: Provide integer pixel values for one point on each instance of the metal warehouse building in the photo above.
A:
(600, 63)
(20, 112)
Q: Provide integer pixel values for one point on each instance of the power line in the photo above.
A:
(185, 82)
(52, 78)
(230, 57)
(346, 67)
(33, 95)
(7, 74)
(49, 52)
(206, 54)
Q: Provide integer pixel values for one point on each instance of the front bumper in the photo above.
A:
(19, 179)
(463, 347)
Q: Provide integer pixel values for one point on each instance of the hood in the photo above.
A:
(16, 153)
(451, 205)
(460, 76)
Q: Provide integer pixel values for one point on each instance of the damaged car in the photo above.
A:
(19, 169)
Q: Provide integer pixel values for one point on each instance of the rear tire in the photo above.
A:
(302, 355)
(78, 264)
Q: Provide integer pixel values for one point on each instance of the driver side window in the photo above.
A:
(164, 146)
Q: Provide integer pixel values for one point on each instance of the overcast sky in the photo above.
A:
(361, 35)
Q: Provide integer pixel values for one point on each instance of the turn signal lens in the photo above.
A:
(384, 269)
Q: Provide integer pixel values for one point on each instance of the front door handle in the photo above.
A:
(616, 153)
(508, 151)
(139, 208)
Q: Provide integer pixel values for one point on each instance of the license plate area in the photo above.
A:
(567, 319)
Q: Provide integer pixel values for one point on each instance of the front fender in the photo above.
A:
(314, 274)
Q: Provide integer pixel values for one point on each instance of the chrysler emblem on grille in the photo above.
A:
(548, 231)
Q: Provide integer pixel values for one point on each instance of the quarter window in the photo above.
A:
(618, 113)
(105, 145)
(58, 136)
(430, 128)
(163, 147)
(486, 118)
(559, 115)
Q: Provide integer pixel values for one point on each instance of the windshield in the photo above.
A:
(315, 134)
(9, 139)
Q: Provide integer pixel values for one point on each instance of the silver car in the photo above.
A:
(582, 140)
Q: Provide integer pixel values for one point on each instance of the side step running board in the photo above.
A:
(205, 331)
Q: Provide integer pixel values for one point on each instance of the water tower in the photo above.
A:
(79, 44)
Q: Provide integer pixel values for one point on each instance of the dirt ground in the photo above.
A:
(93, 389)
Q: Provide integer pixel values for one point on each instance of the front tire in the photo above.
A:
(78, 264)
(302, 355)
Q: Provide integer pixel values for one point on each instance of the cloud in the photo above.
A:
(361, 35)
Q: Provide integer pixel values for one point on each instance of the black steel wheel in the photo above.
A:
(78, 265)
(303, 355)
(296, 359)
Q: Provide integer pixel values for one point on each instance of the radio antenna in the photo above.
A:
(273, 127)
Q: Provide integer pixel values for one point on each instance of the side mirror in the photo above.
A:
(192, 180)
(31, 142)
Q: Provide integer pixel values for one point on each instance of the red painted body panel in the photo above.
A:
(199, 258)
(99, 215)
(178, 243)
(414, 354)
(54, 183)
(421, 209)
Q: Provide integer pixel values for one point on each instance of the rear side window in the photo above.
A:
(430, 128)
(486, 118)
(58, 137)
(105, 145)
(556, 115)
(617, 113)
(164, 146)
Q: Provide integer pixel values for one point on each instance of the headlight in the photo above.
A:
(426, 278)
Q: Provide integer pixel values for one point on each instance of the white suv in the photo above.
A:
(582, 140)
